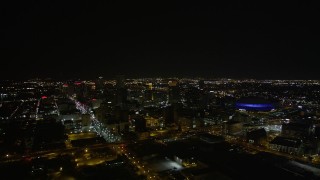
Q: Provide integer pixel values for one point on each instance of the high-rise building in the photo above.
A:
(121, 91)
(173, 92)
(140, 124)
(121, 114)
(201, 84)
(171, 115)
(99, 84)
(120, 81)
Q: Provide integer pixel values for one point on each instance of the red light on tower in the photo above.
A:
(44, 97)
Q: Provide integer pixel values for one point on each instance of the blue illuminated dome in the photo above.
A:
(254, 104)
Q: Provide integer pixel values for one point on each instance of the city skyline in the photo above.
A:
(216, 40)
(155, 90)
(160, 128)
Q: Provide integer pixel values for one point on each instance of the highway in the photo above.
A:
(98, 126)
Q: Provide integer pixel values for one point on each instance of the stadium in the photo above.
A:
(254, 104)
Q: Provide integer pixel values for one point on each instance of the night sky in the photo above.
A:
(68, 39)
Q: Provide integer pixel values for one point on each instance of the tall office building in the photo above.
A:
(173, 92)
(121, 91)
(140, 124)
(171, 115)
(201, 84)
(99, 84)
(120, 81)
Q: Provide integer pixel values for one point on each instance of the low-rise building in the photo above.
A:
(288, 145)
(257, 137)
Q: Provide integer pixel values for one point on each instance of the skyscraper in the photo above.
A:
(173, 92)
(121, 91)
(99, 84)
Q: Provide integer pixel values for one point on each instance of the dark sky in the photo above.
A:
(64, 39)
